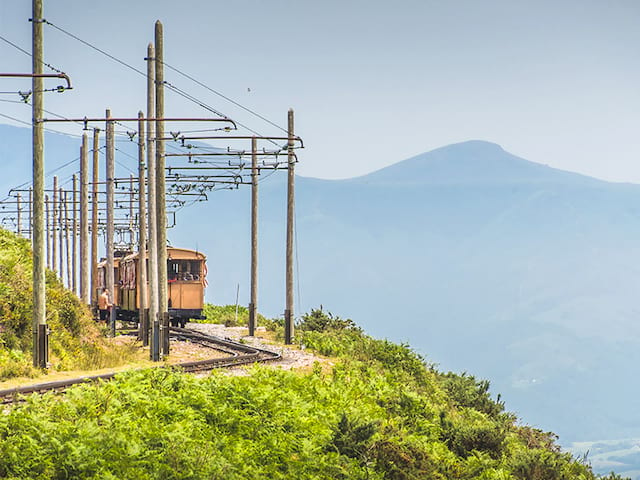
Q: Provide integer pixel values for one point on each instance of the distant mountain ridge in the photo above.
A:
(471, 162)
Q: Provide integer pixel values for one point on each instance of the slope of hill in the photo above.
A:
(75, 341)
(376, 411)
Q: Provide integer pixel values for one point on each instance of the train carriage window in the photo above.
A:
(184, 270)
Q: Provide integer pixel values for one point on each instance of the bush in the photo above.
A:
(351, 343)
(319, 321)
(226, 315)
(465, 391)
(352, 438)
(473, 435)
(75, 340)
(538, 464)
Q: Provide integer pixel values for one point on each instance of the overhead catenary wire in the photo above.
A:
(237, 104)
(170, 86)
(26, 52)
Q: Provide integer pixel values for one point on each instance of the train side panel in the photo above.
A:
(186, 295)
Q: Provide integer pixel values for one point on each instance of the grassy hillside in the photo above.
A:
(376, 411)
(75, 342)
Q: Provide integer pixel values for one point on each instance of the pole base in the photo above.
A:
(43, 346)
(288, 327)
(252, 320)
(155, 341)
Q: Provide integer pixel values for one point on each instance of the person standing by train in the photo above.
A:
(104, 305)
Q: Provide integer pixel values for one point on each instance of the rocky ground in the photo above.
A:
(293, 357)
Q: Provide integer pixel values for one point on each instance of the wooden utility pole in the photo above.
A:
(85, 268)
(143, 320)
(19, 209)
(67, 241)
(288, 313)
(94, 220)
(54, 227)
(253, 305)
(74, 238)
(153, 224)
(31, 215)
(60, 236)
(48, 230)
(110, 177)
(132, 236)
(163, 301)
(40, 340)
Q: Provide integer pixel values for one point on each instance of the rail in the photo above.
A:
(238, 354)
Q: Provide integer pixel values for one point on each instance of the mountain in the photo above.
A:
(483, 261)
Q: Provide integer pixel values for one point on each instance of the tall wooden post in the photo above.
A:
(85, 268)
(288, 313)
(40, 343)
(60, 236)
(153, 224)
(47, 229)
(67, 241)
(74, 237)
(19, 210)
(94, 219)
(110, 177)
(132, 236)
(31, 215)
(143, 324)
(253, 305)
(54, 227)
(163, 300)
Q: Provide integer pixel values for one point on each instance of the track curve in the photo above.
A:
(237, 354)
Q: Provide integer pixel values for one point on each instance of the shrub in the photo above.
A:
(465, 391)
(352, 438)
(319, 321)
(75, 340)
(226, 315)
(473, 435)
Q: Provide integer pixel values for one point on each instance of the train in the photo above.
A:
(186, 274)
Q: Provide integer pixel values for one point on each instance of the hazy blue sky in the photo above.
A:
(371, 82)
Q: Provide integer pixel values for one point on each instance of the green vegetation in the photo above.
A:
(225, 314)
(377, 412)
(75, 341)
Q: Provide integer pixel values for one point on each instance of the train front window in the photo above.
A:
(184, 270)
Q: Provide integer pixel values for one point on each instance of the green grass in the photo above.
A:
(75, 342)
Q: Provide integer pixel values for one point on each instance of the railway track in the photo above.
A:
(237, 354)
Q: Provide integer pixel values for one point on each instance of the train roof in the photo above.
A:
(116, 262)
(174, 253)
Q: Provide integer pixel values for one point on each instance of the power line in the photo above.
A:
(131, 67)
(173, 87)
(84, 42)
(29, 54)
(224, 96)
